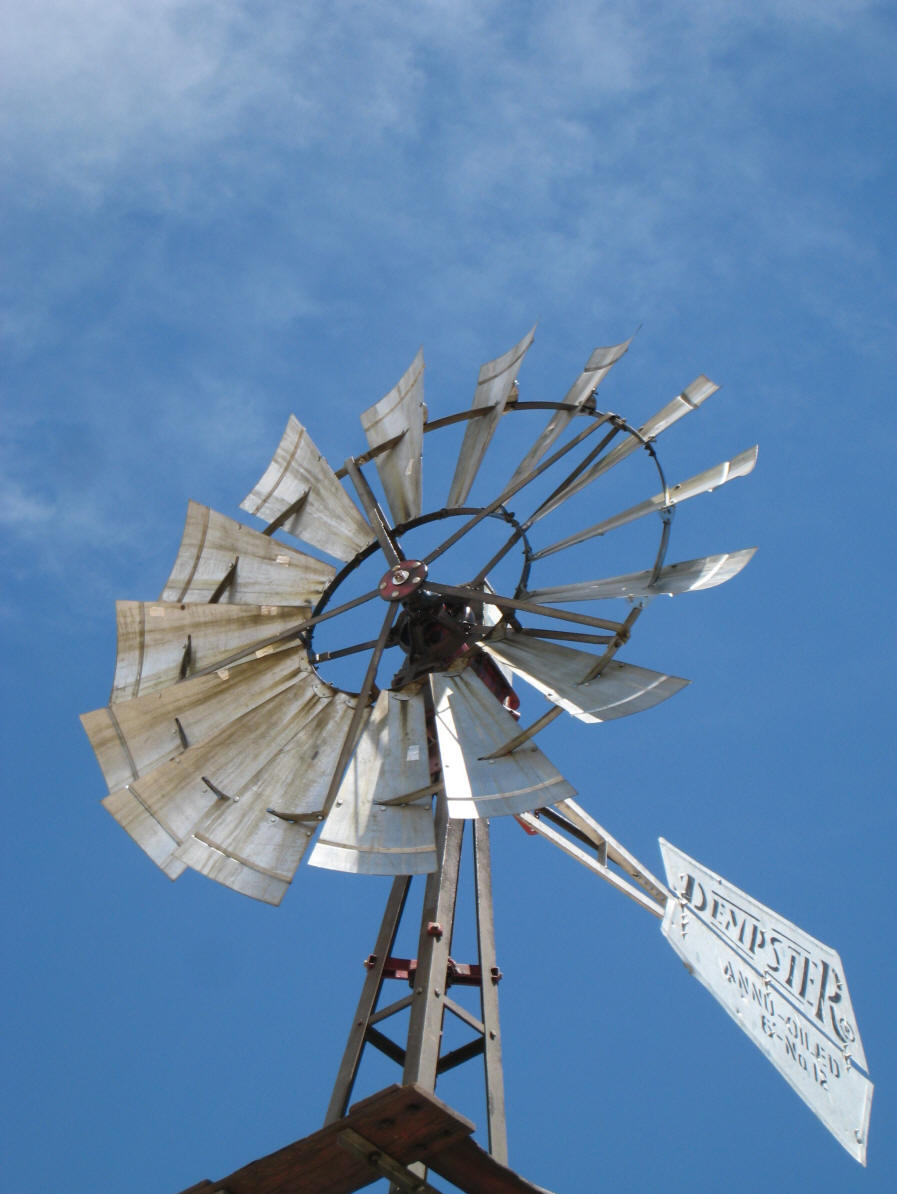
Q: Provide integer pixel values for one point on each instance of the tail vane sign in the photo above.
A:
(784, 988)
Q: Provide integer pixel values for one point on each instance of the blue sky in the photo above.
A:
(216, 214)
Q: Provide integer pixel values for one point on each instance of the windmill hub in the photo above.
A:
(402, 580)
(433, 633)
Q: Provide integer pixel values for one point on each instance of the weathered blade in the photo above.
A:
(275, 846)
(781, 986)
(710, 479)
(161, 643)
(494, 387)
(278, 739)
(470, 724)
(365, 832)
(266, 572)
(325, 515)
(560, 673)
(266, 825)
(135, 736)
(685, 577)
(596, 369)
(154, 838)
(690, 399)
(401, 413)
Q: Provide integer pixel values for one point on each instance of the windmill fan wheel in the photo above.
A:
(226, 744)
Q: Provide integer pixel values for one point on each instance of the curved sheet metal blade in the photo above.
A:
(153, 838)
(400, 413)
(693, 396)
(161, 643)
(494, 387)
(365, 832)
(267, 824)
(470, 724)
(596, 369)
(560, 673)
(705, 482)
(325, 515)
(135, 736)
(684, 577)
(272, 753)
(275, 846)
(266, 572)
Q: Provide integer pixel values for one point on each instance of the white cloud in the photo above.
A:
(206, 176)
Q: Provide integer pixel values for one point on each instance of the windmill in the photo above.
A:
(228, 748)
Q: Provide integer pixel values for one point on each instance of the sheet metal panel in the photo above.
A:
(401, 412)
(253, 828)
(281, 844)
(690, 399)
(153, 637)
(273, 750)
(596, 369)
(684, 577)
(470, 724)
(364, 835)
(328, 518)
(153, 838)
(559, 673)
(494, 387)
(267, 572)
(781, 986)
(132, 737)
(705, 482)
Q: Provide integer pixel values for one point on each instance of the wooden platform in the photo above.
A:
(397, 1126)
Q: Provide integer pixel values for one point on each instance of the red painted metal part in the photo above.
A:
(461, 974)
(402, 580)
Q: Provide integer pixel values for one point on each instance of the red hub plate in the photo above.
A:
(402, 580)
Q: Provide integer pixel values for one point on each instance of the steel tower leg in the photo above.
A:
(429, 975)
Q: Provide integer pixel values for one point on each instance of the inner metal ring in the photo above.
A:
(501, 513)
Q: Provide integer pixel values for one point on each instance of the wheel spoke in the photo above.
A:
(510, 490)
(478, 596)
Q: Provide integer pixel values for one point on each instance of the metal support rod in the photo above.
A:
(360, 711)
(495, 1085)
(425, 1027)
(509, 491)
(487, 597)
(375, 515)
(348, 1070)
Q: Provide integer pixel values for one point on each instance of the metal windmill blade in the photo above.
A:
(229, 742)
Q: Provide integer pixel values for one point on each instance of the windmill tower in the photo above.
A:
(229, 749)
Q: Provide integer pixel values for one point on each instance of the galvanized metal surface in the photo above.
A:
(494, 387)
(596, 369)
(561, 674)
(705, 482)
(367, 1001)
(400, 413)
(489, 970)
(327, 517)
(614, 849)
(267, 572)
(363, 833)
(693, 396)
(596, 865)
(784, 988)
(160, 643)
(274, 786)
(375, 516)
(685, 577)
(471, 724)
(209, 806)
(132, 737)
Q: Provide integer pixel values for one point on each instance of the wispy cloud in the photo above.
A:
(206, 191)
